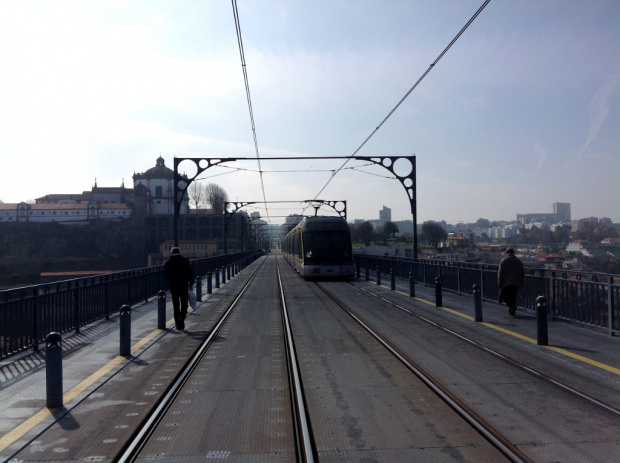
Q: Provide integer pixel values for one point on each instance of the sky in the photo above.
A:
(521, 112)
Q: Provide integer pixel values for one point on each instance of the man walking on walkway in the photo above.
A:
(178, 272)
(510, 277)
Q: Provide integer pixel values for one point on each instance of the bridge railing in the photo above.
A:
(591, 299)
(29, 313)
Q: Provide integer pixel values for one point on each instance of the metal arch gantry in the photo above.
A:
(406, 175)
(339, 206)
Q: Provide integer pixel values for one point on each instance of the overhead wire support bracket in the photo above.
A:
(403, 168)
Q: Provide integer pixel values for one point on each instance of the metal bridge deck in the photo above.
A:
(106, 396)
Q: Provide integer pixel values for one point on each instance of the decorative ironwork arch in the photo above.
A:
(403, 168)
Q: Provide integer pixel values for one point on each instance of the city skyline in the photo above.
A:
(521, 112)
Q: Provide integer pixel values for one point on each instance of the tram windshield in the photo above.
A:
(327, 246)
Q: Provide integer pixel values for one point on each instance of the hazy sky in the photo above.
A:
(520, 113)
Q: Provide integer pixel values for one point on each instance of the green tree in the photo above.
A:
(432, 233)
(390, 229)
(362, 233)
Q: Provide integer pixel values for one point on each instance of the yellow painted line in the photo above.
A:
(41, 415)
(565, 352)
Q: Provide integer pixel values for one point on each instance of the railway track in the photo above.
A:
(559, 384)
(137, 448)
(285, 370)
(587, 406)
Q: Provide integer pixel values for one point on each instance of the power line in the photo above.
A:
(406, 94)
(247, 93)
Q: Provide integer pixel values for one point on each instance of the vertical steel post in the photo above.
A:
(161, 309)
(378, 276)
(541, 321)
(209, 283)
(411, 285)
(125, 322)
(53, 370)
(477, 303)
(438, 295)
(198, 290)
(392, 280)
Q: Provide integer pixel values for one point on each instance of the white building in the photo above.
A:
(155, 188)
(66, 213)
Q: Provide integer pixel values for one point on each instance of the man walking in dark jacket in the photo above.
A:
(510, 277)
(178, 272)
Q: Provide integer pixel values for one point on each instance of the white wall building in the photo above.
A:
(156, 188)
(66, 213)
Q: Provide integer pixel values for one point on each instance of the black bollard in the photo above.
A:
(392, 280)
(217, 278)
(367, 273)
(411, 285)
(438, 298)
(378, 276)
(477, 303)
(541, 321)
(53, 370)
(161, 310)
(209, 283)
(198, 290)
(125, 322)
(224, 275)
(228, 271)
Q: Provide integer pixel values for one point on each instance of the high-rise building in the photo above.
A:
(385, 215)
(562, 212)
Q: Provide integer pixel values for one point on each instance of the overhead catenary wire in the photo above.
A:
(249, 99)
(430, 67)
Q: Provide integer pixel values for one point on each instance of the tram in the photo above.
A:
(320, 247)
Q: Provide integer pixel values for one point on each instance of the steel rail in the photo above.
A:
(140, 438)
(304, 438)
(526, 368)
(472, 418)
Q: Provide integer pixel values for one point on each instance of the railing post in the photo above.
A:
(477, 303)
(541, 321)
(217, 277)
(224, 274)
(76, 307)
(228, 271)
(35, 321)
(209, 283)
(378, 276)
(53, 370)
(438, 296)
(125, 322)
(161, 309)
(610, 305)
(392, 280)
(411, 285)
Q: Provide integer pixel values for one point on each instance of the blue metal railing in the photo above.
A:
(28, 314)
(590, 299)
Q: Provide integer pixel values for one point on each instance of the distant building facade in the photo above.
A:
(385, 215)
(154, 191)
(561, 214)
